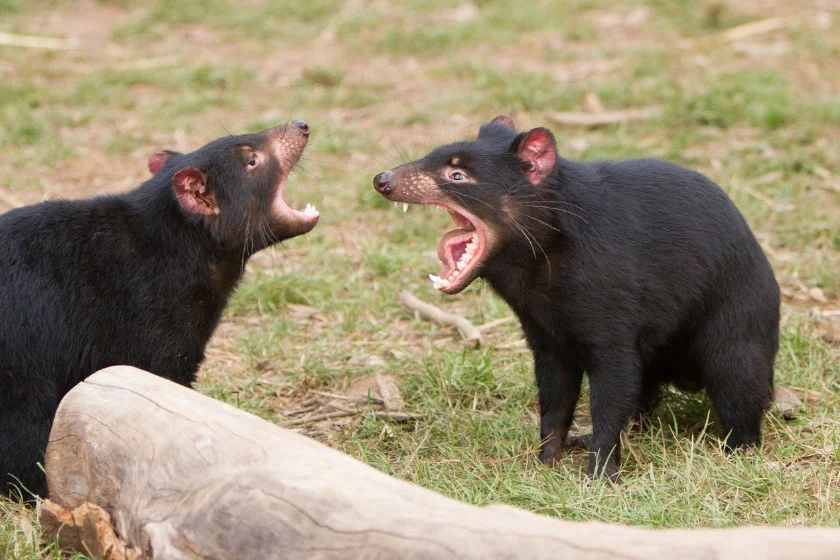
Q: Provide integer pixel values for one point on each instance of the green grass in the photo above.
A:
(382, 83)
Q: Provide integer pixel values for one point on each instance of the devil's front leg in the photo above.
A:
(558, 384)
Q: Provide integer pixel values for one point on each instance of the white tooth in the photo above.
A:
(461, 265)
(444, 284)
(469, 250)
(435, 280)
(405, 207)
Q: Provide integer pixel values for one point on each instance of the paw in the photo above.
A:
(608, 470)
(551, 453)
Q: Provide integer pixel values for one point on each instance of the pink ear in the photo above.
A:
(190, 186)
(538, 153)
(158, 160)
(504, 121)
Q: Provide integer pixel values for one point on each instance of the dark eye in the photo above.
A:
(253, 161)
(458, 176)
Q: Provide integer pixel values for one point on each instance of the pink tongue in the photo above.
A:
(458, 250)
(450, 248)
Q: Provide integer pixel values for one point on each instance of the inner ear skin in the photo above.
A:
(159, 160)
(537, 151)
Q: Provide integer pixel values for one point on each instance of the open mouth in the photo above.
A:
(306, 218)
(461, 251)
(307, 215)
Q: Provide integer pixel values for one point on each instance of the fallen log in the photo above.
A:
(183, 476)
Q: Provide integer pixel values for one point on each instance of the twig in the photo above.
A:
(338, 407)
(319, 417)
(831, 187)
(397, 416)
(496, 323)
(365, 398)
(828, 313)
(150, 63)
(432, 313)
(740, 32)
(605, 118)
(521, 343)
(35, 42)
(767, 200)
(332, 395)
(300, 410)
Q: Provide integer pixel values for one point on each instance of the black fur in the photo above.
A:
(130, 279)
(638, 273)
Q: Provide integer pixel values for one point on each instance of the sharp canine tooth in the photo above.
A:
(405, 207)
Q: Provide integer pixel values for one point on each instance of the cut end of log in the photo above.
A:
(87, 529)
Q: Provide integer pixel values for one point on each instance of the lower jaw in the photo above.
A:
(454, 284)
(459, 285)
(298, 227)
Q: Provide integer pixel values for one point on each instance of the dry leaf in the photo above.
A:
(379, 387)
(807, 395)
(817, 295)
(362, 386)
(390, 392)
(592, 103)
(785, 402)
(299, 311)
(26, 528)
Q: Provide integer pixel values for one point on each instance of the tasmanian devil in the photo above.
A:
(139, 278)
(638, 272)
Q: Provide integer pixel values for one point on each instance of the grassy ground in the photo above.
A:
(382, 82)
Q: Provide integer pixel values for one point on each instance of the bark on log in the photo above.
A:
(184, 476)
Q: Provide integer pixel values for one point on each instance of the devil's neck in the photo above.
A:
(186, 239)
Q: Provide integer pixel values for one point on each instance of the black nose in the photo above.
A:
(302, 126)
(382, 182)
